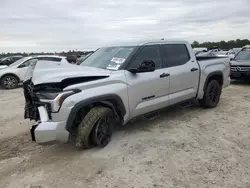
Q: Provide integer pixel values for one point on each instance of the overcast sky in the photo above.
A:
(56, 25)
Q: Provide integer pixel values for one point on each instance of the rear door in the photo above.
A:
(184, 72)
(147, 91)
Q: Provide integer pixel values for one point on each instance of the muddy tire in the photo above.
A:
(94, 124)
(9, 82)
(211, 95)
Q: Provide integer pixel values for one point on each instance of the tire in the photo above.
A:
(9, 82)
(90, 133)
(211, 95)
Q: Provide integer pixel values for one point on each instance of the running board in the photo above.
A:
(152, 115)
(186, 104)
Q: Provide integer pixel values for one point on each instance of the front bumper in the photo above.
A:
(240, 72)
(48, 131)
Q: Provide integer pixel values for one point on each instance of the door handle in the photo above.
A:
(163, 75)
(194, 69)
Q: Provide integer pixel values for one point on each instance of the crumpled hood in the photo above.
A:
(51, 72)
(239, 63)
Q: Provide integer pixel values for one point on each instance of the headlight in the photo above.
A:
(55, 99)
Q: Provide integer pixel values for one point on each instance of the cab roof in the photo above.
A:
(145, 42)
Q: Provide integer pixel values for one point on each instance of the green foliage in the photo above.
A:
(76, 53)
(222, 44)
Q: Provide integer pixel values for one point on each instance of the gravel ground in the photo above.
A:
(191, 148)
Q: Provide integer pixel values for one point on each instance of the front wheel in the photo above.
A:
(96, 128)
(9, 82)
(211, 94)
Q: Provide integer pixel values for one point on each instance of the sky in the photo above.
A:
(57, 25)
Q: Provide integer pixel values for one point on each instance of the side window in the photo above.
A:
(151, 52)
(175, 54)
(27, 63)
(50, 59)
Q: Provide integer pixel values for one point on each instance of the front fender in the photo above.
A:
(93, 100)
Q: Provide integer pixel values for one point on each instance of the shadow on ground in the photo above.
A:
(240, 82)
(18, 87)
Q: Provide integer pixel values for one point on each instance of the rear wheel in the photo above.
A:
(211, 95)
(9, 82)
(96, 128)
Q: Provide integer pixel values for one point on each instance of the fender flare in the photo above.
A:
(215, 73)
(104, 99)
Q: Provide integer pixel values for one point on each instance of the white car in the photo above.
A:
(14, 74)
(3, 66)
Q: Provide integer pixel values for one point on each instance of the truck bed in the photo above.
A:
(203, 58)
(210, 65)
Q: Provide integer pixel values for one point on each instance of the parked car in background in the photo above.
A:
(72, 59)
(9, 60)
(3, 66)
(116, 84)
(199, 50)
(240, 64)
(231, 54)
(14, 74)
(82, 58)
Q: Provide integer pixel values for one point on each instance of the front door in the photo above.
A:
(147, 91)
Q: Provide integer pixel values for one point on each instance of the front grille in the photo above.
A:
(240, 68)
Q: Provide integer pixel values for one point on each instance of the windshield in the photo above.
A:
(243, 55)
(19, 61)
(108, 57)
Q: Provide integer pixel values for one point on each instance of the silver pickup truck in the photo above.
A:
(116, 84)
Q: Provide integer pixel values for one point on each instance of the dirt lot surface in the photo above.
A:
(191, 148)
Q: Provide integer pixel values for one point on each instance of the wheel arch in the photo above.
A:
(12, 74)
(81, 108)
(217, 75)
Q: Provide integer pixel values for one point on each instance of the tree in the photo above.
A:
(222, 44)
(195, 44)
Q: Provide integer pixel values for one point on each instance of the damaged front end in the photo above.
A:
(45, 91)
(50, 95)
(40, 102)
(32, 102)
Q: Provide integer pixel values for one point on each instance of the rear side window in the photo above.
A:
(175, 54)
(50, 59)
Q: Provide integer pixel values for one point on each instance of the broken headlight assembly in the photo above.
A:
(55, 98)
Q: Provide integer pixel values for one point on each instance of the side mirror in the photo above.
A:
(231, 59)
(145, 66)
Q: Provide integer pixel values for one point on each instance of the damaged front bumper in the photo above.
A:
(47, 131)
